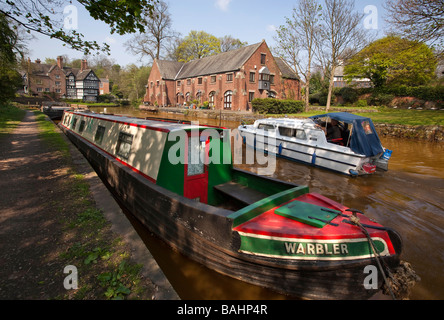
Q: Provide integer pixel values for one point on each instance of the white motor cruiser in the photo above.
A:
(353, 148)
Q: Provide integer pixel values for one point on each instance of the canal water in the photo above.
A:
(409, 198)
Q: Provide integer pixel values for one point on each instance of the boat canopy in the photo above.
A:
(364, 139)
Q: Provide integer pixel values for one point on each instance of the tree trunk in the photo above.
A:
(330, 87)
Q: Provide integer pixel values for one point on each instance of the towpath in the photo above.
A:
(32, 233)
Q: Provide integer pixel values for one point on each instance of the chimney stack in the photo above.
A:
(60, 62)
(84, 65)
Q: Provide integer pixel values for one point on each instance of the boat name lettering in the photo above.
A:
(316, 248)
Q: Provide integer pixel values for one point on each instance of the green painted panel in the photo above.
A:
(266, 204)
(171, 176)
(306, 249)
(305, 212)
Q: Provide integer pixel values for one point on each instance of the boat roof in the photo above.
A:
(341, 116)
(158, 125)
(364, 139)
(285, 121)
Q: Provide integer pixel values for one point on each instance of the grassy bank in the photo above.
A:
(102, 257)
(387, 115)
(10, 117)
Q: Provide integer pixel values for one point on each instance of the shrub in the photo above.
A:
(274, 106)
(349, 95)
(361, 103)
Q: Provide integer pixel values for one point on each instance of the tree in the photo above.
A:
(132, 82)
(10, 79)
(228, 43)
(421, 20)
(155, 42)
(296, 40)
(342, 30)
(393, 61)
(197, 45)
(45, 17)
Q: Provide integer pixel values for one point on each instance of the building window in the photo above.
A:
(57, 83)
(124, 143)
(46, 89)
(263, 58)
(158, 82)
(250, 96)
(99, 134)
(178, 83)
(229, 77)
(213, 79)
(228, 97)
(188, 81)
(211, 99)
(252, 76)
(39, 89)
(199, 80)
(272, 78)
(58, 90)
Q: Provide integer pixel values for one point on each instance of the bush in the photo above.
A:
(349, 95)
(361, 103)
(274, 106)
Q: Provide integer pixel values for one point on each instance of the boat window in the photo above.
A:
(99, 134)
(74, 122)
(266, 127)
(290, 132)
(195, 155)
(367, 128)
(124, 145)
(82, 126)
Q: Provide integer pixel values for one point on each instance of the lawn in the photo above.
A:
(388, 115)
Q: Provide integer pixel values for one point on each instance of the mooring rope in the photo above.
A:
(355, 220)
(404, 277)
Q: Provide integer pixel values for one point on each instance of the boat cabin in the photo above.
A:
(194, 161)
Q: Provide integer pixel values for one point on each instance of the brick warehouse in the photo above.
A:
(229, 80)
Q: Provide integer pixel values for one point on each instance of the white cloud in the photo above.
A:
(222, 4)
(271, 28)
(110, 40)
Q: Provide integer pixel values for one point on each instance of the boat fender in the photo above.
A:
(244, 139)
(280, 148)
(353, 172)
(313, 158)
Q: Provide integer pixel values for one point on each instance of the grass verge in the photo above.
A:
(101, 257)
(10, 117)
(409, 117)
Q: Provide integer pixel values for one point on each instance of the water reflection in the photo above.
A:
(408, 198)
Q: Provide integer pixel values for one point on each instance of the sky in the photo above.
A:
(250, 21)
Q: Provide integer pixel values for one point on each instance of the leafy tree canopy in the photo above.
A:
(197, 45)
(393, 61)
(46, 17)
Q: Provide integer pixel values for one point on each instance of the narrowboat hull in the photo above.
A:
(205, 234)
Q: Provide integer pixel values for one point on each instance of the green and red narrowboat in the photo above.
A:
(260, 230)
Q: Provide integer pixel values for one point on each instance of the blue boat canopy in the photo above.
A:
(364, 139)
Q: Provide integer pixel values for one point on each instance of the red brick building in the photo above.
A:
(229, 80)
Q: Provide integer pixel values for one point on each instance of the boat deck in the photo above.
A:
(240, 192)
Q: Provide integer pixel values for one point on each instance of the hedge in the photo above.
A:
(427, 93)
(274, 106)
